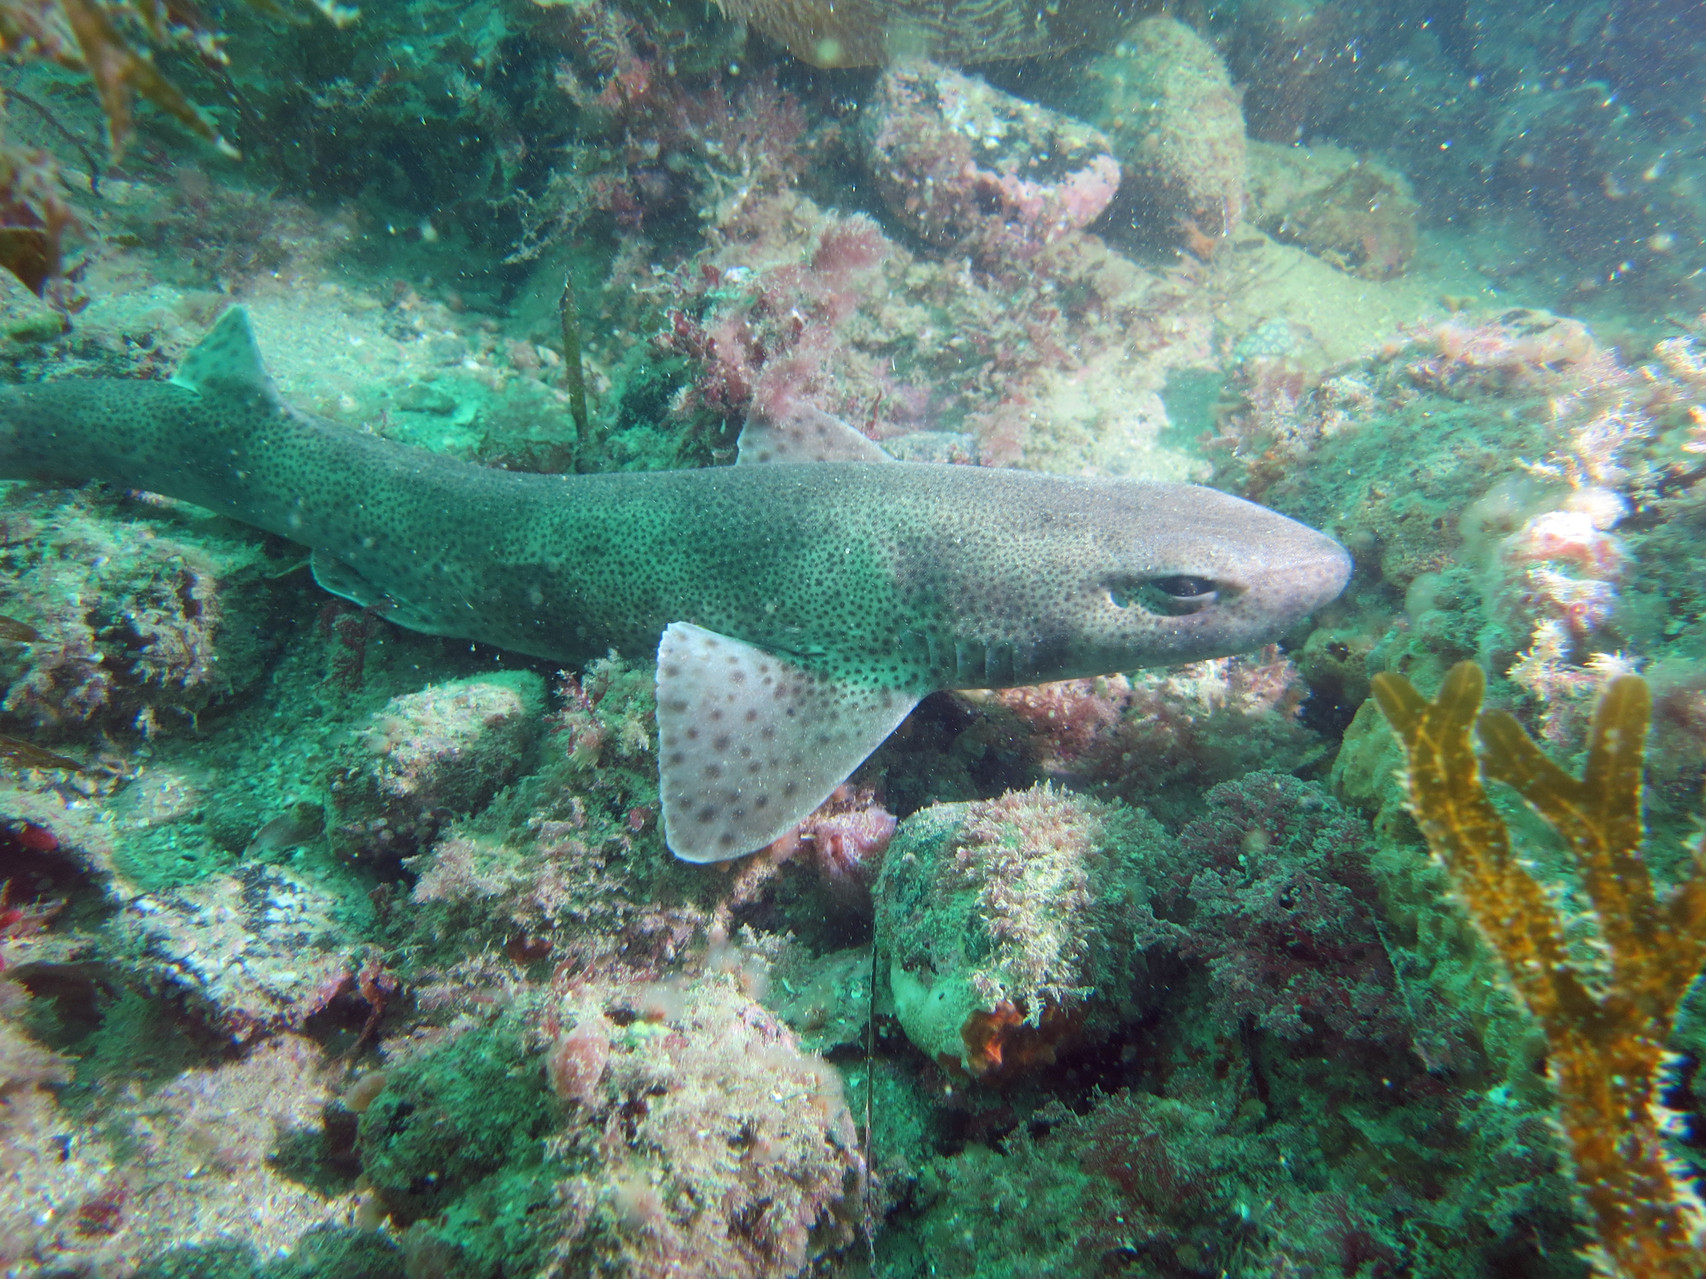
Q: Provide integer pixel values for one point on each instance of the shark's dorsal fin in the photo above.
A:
(227, 362)
(801, 433)
(749, 743)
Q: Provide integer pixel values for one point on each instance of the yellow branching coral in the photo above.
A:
(1607, 1018)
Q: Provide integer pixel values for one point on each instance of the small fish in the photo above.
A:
(18, 632)
(302, 824)
(23, 754)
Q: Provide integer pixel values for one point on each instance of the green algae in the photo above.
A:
(456, 1141)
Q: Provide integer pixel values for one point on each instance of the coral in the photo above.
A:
(1005, 928)
(784, 324)
(1569, 562)
(1277, 906)
(1166, 101)
(1159, 737)
(1607, 1011)
(196, 1169)
(429, 755)
(706, 1141)
(571, 855)
(1526, 443)
(970, 168)
(146, 618)
(1001, 366)
(845, 839)
(1071, 1195)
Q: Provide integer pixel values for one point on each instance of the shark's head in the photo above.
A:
(1183, 573)
(1174, 573)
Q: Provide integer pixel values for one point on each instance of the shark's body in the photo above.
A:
(806, 598)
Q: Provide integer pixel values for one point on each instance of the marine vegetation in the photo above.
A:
(1607, 1009)
(114, 45)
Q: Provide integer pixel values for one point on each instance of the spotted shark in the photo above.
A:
(800, 602)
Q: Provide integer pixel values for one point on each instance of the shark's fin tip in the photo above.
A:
(750, 742)
(796, 432)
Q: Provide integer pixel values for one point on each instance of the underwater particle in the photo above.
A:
(966, 165)
(1165, 100)
(1005, 925)
(428, 755)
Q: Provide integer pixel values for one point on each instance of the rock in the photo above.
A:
(424, 397)
(429, 755)
(741, 1159)
(966, 166)
(1165, 100)
(1008, 928)
(1357, 214)
(258, 951)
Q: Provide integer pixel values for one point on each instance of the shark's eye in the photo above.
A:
(1184, 588)
(1174, 596)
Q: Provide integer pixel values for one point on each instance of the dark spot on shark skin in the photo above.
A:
(705, 815)
(720, 742)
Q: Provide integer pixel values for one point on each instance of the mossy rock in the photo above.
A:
(453, 1117)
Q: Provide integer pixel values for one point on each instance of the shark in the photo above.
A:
(799, 602)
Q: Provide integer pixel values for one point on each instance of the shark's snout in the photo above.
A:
(1305, 571)
(1259, 574)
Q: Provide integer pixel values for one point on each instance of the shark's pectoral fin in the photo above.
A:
(332, 574)
(750, 743)
(801, 433)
